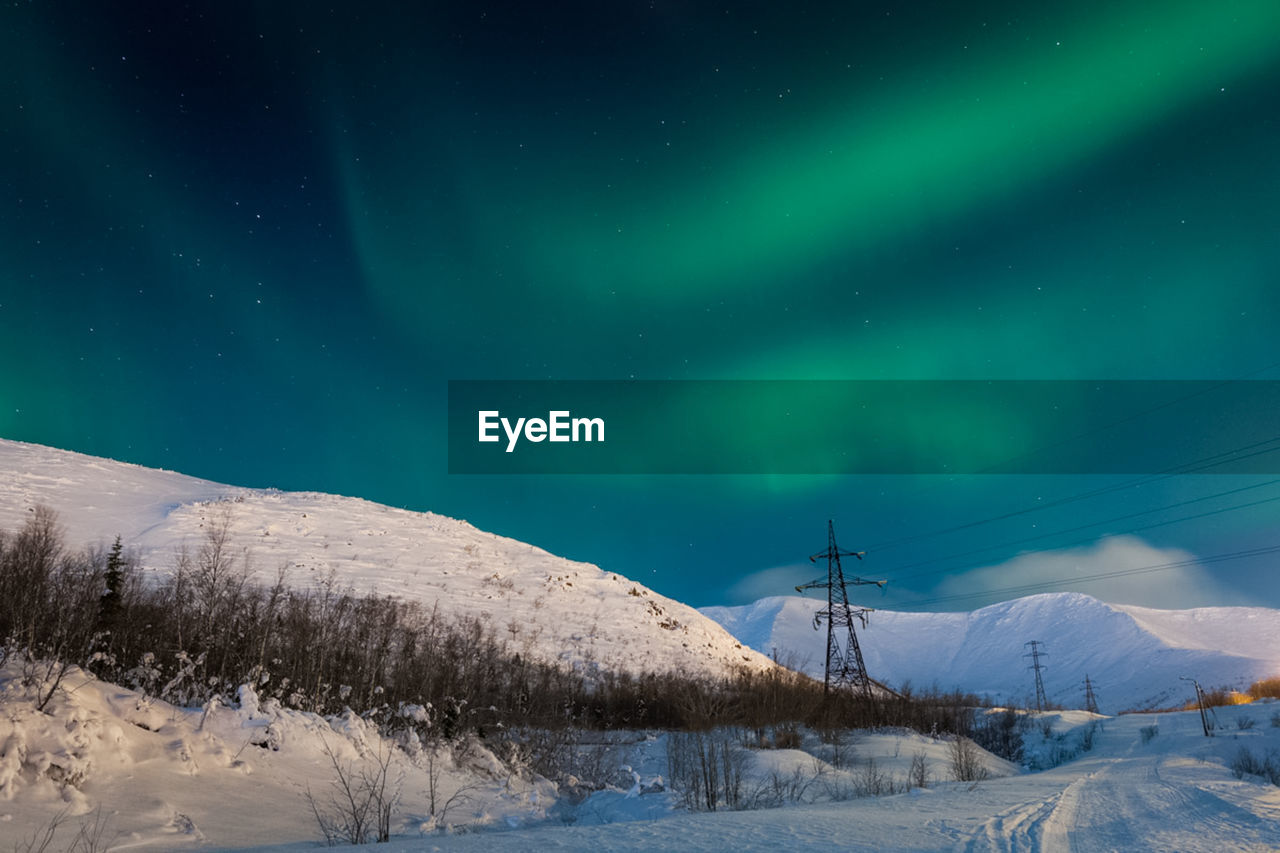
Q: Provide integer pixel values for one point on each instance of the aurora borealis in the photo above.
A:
(253, 241)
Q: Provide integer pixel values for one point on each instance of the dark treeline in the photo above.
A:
(204, 629)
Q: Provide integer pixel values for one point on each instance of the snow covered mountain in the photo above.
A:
(546, 606)
(1133, 655)
(557, 609)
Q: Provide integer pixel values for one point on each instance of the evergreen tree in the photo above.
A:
(109, 603)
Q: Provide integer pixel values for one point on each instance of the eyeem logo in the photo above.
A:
(558, 426)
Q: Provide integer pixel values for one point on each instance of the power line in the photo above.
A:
(1159, 567)
(1095, 430)
(1187, 468)
(1152, 526)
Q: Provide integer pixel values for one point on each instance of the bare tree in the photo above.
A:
(361, 801)
(966, 761)
(706, 768)
(438, 805)
(90, 838)
(919, 773)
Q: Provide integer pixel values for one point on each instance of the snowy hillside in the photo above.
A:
(1133, 655)
(546, 606)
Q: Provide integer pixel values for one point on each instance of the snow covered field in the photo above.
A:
(156, 777)
(1172, 793)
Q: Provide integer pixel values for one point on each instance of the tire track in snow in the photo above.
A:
(1014, 830)
(1127, 805)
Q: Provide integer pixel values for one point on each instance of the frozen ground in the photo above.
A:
(163, 778)
(159, 777)
(1172, 793)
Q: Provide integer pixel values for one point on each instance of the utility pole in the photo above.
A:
(1204, 719)
(844, 665)
(1035, 654)
(1090, 701)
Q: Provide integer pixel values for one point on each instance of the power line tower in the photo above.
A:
(1035, 654)
(1090, 701)
(844, 665)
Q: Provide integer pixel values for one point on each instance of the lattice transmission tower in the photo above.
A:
(1035, 654)
(845, 667)
(1090, 701)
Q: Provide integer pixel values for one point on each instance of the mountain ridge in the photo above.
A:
(1133, 655)
(552, 608)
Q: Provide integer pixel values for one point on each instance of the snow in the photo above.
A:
(1133, 655)
(165, 777)
(1174, 792)
(546, 606)
(155, 776)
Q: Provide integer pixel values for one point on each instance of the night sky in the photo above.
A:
(252, 242)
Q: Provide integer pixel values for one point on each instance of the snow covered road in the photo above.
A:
(1146, 803)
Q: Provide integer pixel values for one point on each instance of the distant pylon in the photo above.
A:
(1090, 701)
(844, 665)
(1035, 654)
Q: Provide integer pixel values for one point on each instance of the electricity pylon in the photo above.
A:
(1035, 655)
(844, 664)
(1090, 701)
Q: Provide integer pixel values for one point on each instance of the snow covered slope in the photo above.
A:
(1133, 655)
(546, 606)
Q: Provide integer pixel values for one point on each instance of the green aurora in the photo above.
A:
(253, 241)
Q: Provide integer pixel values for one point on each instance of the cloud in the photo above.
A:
(1181, 587)
(781, 580)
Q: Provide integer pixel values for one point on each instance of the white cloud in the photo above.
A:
(781, 580)
(1181, 587)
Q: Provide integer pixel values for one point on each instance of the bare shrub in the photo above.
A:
(918, 776)
(838, 750)
(871, 781)
(1087, 736)
(438, 804)
(361, 801)
(40, 840)
(705, 768)
(787, 736)
(43, 676)
(1147, 733)
(1245, 763)
(1001, 733)
(779, 789)
(966, 761)
(91, 837)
